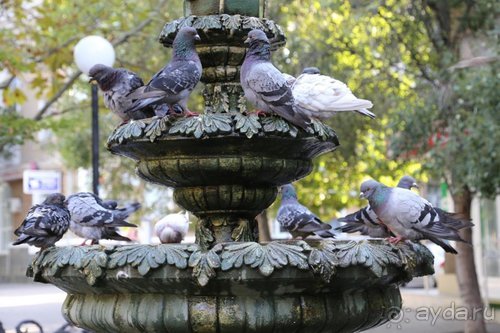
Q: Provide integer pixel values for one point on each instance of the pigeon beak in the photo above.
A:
(197, 37)
(362, 195)
(247, 41)
(92, 80)
(414, 185)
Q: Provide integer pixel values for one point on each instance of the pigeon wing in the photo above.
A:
(271, 87)
(176, 78)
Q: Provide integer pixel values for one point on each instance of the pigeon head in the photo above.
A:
(103, 75)
(259, 46)
(256, 36)
(184, 42)
(55, 199)
(407, 182)
(288, 192)
(368, 188)
(311, 70)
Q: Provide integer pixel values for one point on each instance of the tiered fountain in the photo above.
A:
(225, 166)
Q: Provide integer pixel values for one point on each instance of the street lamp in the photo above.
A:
(89, 51)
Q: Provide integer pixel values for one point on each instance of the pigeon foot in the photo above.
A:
(188, 113)
(396, 240)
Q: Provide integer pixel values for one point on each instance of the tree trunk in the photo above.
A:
(264, 233)
(466, 268)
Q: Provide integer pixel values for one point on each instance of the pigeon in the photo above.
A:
(323, 96)
(95, 219)
(173, 83)
(116, 84)
(297, 219)
(264, 85)
(45, 223)
(409, 216)
(365, 220)
(172, 228)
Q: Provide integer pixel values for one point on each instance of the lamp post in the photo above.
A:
(89, 51)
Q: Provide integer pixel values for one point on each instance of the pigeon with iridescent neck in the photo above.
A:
(45, 223)
(365, 220)
(116, 84)
(297, 219)
(411, 217)
(264, 85)
(174, 83)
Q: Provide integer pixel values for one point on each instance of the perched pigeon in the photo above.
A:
(173, 83)
(409, 216)
(264, 85)
(365, 220)
(297, 219)
(116, 85)
(323, 96)
(45, 223)
(172, 228)
(95, 219)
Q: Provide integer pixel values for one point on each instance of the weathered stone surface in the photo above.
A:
(264, 287)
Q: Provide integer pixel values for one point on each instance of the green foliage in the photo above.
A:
(14, 130)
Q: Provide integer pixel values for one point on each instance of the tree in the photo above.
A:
(457, 125)
(435, 105)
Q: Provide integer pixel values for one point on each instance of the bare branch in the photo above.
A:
(5, 84)
(54, 98)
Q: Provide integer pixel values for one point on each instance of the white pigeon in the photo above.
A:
(409, 216)
(172, 228)
(322, 96)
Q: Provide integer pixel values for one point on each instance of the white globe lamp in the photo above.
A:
(93, 50)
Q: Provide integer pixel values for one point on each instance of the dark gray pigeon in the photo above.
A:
(264, 85)
(173, 83)
(116, 84)
(365, 220)
(409, 216)
(297, 219)
(95, 219)
(45, 223)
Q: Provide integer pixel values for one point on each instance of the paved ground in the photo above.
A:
(35, 301)
(423, 311)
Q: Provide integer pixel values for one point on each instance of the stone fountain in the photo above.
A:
(225, 166)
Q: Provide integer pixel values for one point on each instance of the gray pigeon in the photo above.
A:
(95, 219)
(173, 83)
(365, 220)
(297, 219)
(45, 223)
(116, 84)
(264, 85)
(409, 216)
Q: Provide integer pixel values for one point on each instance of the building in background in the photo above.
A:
(14, 202)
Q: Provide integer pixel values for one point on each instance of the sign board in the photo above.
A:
(41, 181)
